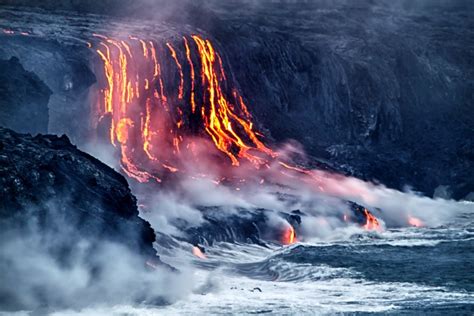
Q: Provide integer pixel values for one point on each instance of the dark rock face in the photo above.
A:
(45, 176)
(70, 234)
(383, 89)
(65, 70)
(24, 99)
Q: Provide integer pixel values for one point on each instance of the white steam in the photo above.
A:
(46, 264)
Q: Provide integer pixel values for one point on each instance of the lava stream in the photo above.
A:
(152, 128)
(160, 127)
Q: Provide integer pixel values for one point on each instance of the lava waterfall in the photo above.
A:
(166, 106)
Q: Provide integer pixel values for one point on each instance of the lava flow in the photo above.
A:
(289, 236)
(169, 108)
(152, 125)
(371, 221)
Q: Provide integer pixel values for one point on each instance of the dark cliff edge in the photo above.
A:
(24, 101)
(59, 199)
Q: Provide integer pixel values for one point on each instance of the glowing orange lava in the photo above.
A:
(144, 118)
(372, 222)
(289, 236)
(180, 69)
(416, 222)
(221, 120)
(155, 121)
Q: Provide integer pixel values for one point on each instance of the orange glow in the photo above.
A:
(289, 236)
(145, 49)
(180, 69)
(170, 168)
(155, 134)
(139, 118)
(372, 222)
(416, 222)
(123, 130)
(198, 253)
(191, 65)
(120, 95)
(221, 120)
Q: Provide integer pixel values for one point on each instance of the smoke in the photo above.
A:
(47, 264)
(211, 181)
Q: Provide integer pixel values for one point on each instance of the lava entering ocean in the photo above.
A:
(172, 110)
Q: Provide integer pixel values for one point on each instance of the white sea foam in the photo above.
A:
(240, 296)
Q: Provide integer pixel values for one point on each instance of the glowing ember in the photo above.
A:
(289, 236)
(198, 253)
(416, 222)
(372, 222)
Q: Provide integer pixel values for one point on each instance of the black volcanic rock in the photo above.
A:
(382, 88)
(69, 226)
(24, 99)
(46, 175)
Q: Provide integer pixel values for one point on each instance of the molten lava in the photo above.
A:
(372, 222)
(289, 236)
(416, 222)
(151, 128)
(169, 105)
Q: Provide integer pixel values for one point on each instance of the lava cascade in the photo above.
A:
(150, 124)
(158, 125)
